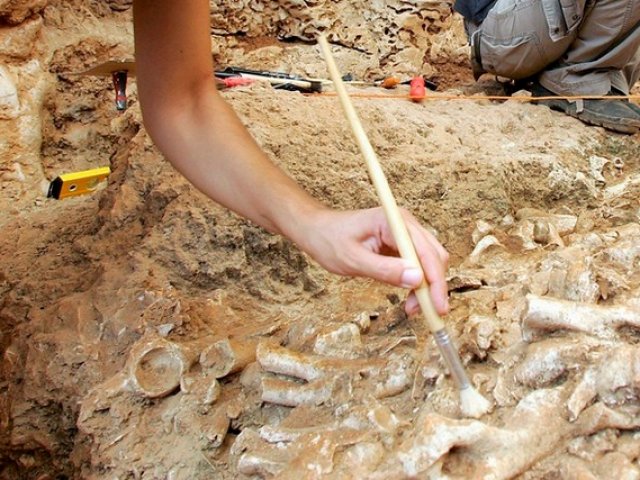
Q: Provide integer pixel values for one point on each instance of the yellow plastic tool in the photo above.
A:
(77, 183)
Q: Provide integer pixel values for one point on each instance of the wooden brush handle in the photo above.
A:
(396, 222)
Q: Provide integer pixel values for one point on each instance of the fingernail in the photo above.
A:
(411, 277)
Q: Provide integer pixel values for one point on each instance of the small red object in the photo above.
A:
(120, 84)
(417, 90)
(237, 81)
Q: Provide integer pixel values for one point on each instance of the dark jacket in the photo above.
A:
(473, 10)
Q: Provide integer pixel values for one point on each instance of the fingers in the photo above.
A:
(402, 273)
(423, 240)
(356, 243)
(435, 261)
(392, 270)
(412, 307)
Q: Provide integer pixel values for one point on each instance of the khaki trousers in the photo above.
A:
(575, 47)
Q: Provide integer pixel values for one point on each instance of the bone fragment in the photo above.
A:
(228, 356)
(545, 314)
(342, 342)
(260, 465)
(362, 458)
(278, 434)
(581, 284)
(156, 366)
(615, 380)
(310, 455)
(251, 376)
(257, 457)
(482, 230)
(397, 376)
(235, 408)
(483, 245)
(277, 359)
(213, 393)
(215, 429)
(545, 233)
(624, 253)
(534, 430)
(548, 360)
(617, 465)
(363, 321)
(600, 417)
(383, 419)
(573, 468)
(204, 386)
(564, 224)
(433, 437)
(524, 230)
(479, 333)
(571, 275)
(101, 396)
(536, 232)
(464, 280)
(596, 165)
(293, 394)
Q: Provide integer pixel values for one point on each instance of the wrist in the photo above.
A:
(302, 223)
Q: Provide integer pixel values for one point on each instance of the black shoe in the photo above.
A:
(616, 115)
(476, 63)
(634, 106)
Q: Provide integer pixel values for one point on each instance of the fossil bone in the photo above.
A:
(615, 380)
(536, 423)
(549, 360)
(545, 314)
(482, 230)
(228, 356)
(156, 366)
(329, 377)
(290, 393)
(343, 342)
(216, 428)
(483, 246)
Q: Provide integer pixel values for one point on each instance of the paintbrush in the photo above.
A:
(472, 404)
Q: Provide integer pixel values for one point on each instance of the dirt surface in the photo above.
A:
(148, 333)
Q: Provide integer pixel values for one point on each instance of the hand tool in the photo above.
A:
(472, 404)
(77, 183)
(280, 80)
(119, 79)
(229, 82)
(416, 89)
(118, 71)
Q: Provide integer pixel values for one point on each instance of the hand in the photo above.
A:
(360, 243)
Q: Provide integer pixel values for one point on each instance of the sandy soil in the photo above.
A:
(110, 302)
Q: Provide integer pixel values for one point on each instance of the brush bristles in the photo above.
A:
(472, 404)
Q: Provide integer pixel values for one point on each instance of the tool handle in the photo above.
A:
(417, 90)
(389, 205)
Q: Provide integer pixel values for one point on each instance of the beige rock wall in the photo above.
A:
(373, 39)
(388, 37)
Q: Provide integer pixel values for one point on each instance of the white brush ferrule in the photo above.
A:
(451, 358)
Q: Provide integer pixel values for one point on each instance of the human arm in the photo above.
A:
(200, 134)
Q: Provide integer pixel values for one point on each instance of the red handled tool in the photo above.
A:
(417, 90)
(229, 82)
